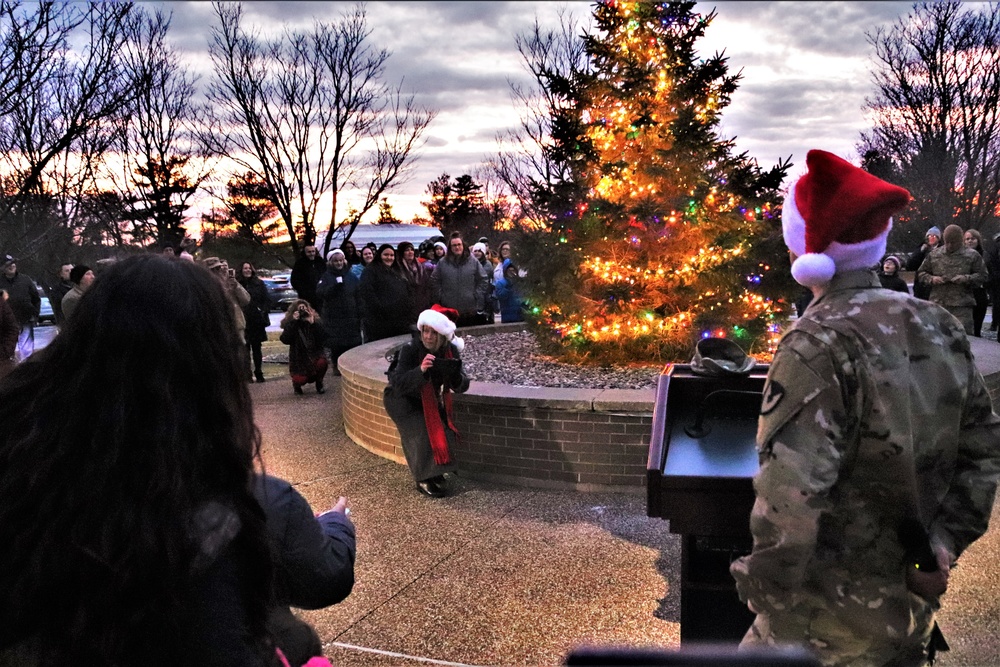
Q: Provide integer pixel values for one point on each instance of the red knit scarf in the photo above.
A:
(432, 417)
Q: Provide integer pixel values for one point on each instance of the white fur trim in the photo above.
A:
(793, 226)
(843, 256)
(813, 269)
(458, 343)
(437, 321)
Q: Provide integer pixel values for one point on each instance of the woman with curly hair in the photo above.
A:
(302, 331)
(131, 534)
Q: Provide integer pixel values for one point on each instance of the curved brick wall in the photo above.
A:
(584, 439)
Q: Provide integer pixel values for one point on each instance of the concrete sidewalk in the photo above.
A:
(497, 575)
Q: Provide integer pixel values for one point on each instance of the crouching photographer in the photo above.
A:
(302, 331)
(422, 377)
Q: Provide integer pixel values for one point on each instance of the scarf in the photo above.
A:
(432, 418)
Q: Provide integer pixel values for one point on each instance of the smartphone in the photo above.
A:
(232, 273)
(447, 366)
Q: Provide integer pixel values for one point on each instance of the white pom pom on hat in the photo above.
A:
(837, 218)
(442, 320)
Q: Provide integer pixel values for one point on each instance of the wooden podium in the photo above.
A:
(702, 459)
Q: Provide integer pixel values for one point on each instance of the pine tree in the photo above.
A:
(676, 238)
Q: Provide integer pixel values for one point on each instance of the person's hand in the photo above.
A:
(930, 585)
(937, 280)
(426, 364)
(295, 315)
(960, 280)
(341, 506)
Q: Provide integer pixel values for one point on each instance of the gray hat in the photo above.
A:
(7, 259)
(720, 356)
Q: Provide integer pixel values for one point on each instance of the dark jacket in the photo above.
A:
(313, 563)
(893, 282)
(385, 302)
(24, 299)
(56, 295)
(258, 312)
(404, 405)
(920, 290)
(305, 345)
(339, 292)
(305, 276)
(510, 301)
(9, 331)
(460, 284)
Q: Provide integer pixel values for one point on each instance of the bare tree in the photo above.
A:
(528, 162)
(60, 79)
(163, 161)
(274, 119)
(60, 93)
(310, 113)
(936, 110)
(365, 107)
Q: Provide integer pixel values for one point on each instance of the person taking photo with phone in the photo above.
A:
(422, 377)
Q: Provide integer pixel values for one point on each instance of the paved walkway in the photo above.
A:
(497, 575)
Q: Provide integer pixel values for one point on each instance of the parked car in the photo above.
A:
(45, 314)
(280, 291)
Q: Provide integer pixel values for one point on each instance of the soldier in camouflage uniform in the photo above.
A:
(873, 414)
(953, 271)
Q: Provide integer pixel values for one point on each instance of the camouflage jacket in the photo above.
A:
(965, 264)
(873, 412)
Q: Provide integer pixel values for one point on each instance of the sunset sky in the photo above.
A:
(805, 70)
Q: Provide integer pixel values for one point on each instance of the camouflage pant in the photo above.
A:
(964, 315)
(838, 645)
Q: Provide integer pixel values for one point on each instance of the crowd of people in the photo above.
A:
(201, 553)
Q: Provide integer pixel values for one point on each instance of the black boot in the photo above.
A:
(429, 488)
(259, 375)
(319, 387)
(297, 388)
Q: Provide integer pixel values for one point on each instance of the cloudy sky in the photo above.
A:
(805, 70)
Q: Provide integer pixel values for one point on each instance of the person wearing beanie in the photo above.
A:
(82, 278)
(952, 272)
(932, 240)
(879, 449)
(339, 292)
(422, 378)
(888, 276)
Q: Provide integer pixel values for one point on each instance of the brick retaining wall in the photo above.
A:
(583, 439)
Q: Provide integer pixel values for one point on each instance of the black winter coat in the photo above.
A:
(305, 276)
(385, 302)
(404, 405)
(313, 563)
(257, 312)
(339, 292)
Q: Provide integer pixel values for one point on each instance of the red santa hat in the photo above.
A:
(443, 320)
(836, 218)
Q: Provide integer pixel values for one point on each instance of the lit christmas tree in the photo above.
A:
(664, 236)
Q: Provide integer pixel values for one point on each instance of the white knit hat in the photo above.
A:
(335, 251)
(481, 247)
(836, 218)
(442, 320)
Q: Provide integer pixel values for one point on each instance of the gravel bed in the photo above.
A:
(515, 359)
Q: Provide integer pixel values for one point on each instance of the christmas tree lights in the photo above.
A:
(665, 236)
